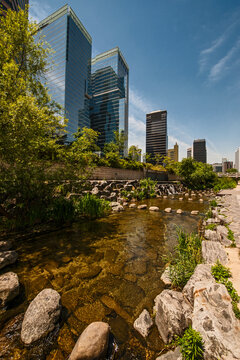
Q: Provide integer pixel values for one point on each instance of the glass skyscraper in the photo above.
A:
(13, 4)
(109, 89)
(68, 78)
(156, 133)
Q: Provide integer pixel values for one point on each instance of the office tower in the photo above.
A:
(189, 153)
(217, 167)
(199, 150)
(226, 165)
(173, 153)
(109, 105)
(237, 159)
(68, 78)
(156, 133)
(13, 4)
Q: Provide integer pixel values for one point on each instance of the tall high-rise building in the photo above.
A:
(13, 4)
(237, 159)
(199, 150)
(109, 104)
(68, 78)
(173, 153)
(156, 133)
(189, 153)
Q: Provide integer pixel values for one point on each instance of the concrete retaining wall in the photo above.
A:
(107, 173)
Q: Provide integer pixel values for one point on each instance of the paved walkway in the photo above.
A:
(231, 208)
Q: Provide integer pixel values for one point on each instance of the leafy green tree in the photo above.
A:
(232, 171)
(158, 158)
(117, 145)
(134, 153)
(147, 157)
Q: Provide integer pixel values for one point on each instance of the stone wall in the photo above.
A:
(107, 173)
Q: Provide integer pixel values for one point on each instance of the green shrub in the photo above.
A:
(91, 207)
(62, 210)
(213, 203)
(231, 237)
(209, 214)
(192, 347)
(186, 256)
(211, 226)
(225, 183)
(221, 275)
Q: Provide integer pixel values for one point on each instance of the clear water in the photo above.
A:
(106, 270)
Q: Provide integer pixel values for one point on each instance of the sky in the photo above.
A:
(183, 57)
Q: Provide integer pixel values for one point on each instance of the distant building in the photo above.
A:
(13, 4)
(156, 133)
(173, 153)
(226, 165)
(199, 150)
(68, 79)
(217, 167)
(109, 104)
(237, 159)
(189, 153)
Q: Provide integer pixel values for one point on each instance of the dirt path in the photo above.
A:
(231, 208)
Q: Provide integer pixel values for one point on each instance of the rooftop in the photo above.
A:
(108, 54)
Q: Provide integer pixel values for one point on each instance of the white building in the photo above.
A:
(237, 159)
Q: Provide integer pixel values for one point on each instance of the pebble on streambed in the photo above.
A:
(168, 210)
(142, 207)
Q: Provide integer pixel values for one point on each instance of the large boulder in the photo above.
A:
(171, 355)
(93, 342)
(142, 207)
(213, 317)
(211, 235)
(213, 251)
(41, 316)
(222, 233)
(154, 208)
(173, 314)
(143, 323)
(9, 287)
(202, 273)
(7, 258)
(117, 208)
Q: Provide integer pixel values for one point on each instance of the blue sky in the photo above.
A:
(183, 55)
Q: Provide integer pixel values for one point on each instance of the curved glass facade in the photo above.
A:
(69, 77)
(109, 88)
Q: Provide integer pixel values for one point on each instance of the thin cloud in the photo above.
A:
(218, 70)
(39, 11)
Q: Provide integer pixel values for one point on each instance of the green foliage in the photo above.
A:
(196, 175)
(225, 183)
(134, 153)
(221, 275)
(192, 346)
(213, 203)
(186, 256)
(89, 206)
(62, 210)
(231, 171)
(211, 226)
(231, 236)
(209, 214)
(145, 190)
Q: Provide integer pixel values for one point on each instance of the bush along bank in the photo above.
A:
(202, 319)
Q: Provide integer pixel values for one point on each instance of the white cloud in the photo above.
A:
(39, 10)
(218, 70)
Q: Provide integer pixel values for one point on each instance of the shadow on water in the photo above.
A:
(105, 270)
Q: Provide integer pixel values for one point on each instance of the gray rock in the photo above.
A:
(7, 258)
(95, 191)
(132, 206)
(222, 233)
(194, 212)
(222, 219)
(165, 196)
(179, 211)
(211, 235)
(180, 199)
(165, 277)
(202, 273)
(114, 203)
(9, 287)
(173, 314)
(142, 207)
(41, 316)
(168, 210)
(154, 208)
(5, 245)
(171, 355)
(93, 342)
(117, 208)
(213, 251)
(143, 323)
(213, 317)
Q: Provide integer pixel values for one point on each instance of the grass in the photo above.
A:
(191, 344)
(213, 203)
(211, 227)
(231, 237)
(221, 275)
(90, 207)
(187, 255)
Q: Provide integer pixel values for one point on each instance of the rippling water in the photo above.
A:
(106, 270)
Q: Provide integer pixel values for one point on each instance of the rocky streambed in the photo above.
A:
(107, 270)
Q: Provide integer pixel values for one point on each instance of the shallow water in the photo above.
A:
(106, 270)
